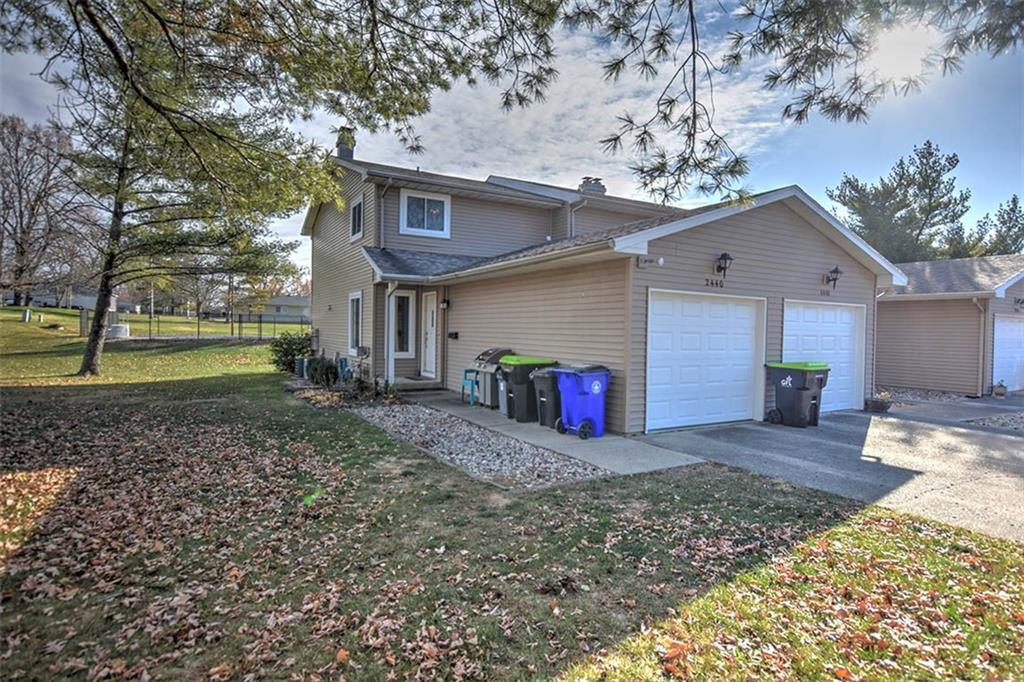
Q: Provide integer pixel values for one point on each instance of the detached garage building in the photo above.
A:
(957, 326)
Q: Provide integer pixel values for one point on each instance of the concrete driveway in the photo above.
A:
(968, 477)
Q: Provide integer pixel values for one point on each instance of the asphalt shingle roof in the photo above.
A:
(960, 275)
(406, 263)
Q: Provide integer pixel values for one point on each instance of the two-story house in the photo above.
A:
(416, 273)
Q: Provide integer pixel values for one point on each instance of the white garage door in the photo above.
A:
(1008, 363)
(828, 333)
(702, 364)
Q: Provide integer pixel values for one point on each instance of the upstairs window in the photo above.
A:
(425, 215)
(356, 219)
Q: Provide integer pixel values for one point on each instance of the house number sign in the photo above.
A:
(716, 283)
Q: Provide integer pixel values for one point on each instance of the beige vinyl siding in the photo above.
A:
(778, 255)
(1003, 307)
(479, 228)
(929, 344)
(589, 219)
(339, 268)
(574, 315)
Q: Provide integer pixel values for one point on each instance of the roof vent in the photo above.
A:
(346, 143)
(592, 185)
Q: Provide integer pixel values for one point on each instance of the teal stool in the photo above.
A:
(470, 379)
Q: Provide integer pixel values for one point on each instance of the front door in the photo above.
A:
(428, 348)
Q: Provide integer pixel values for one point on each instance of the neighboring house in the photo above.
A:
(78, 298)
(286, 308)
(416, 273)
(957, 326)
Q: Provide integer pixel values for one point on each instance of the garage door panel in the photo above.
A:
(1008, 353)
(826, 333)
(708, 376)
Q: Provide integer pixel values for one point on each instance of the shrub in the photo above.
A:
(288, 346)
(322, 372)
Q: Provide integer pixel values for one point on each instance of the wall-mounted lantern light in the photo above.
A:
(833, 275)
(723, 264)
(445, 304)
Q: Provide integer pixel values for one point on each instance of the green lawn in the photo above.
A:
(182, 517)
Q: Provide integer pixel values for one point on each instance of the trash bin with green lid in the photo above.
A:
(798, 387)
(522, 402)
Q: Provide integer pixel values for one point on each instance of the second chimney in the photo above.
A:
(592, 185)
(346, 143)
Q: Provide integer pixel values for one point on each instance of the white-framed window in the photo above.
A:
(277, 309)
(355, 216)
(355, 322)
(403, 323)
(424, 214)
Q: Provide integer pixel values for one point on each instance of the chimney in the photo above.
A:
(592, 185)
(346, 143)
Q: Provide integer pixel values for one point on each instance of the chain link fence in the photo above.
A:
(252, 326)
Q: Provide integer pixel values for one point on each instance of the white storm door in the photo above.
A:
(1008, 353)
(428, 358)
(832, 333)
(702, 359)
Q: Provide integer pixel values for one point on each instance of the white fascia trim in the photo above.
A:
(352, 166)
(633, 243)
(942, 295)
(1000, 290)
(310, 220)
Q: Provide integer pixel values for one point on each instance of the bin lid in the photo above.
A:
(805, 366)
(580, 369)
(526, 360)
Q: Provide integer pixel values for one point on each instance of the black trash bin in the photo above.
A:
(798, 387)
(522, 402)
(549, 405)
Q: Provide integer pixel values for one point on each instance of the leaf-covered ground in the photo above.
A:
(183, 517)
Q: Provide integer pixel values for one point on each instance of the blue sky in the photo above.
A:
(977, 113)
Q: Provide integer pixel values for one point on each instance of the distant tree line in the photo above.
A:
(916, 211)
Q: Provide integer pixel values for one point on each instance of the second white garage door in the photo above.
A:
(704, 359)
(1008, 364)
(833, 334)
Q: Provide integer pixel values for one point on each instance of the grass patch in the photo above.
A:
(182, 517)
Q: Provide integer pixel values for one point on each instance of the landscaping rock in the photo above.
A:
(903, 396)
(1010, 420)
(482, 453)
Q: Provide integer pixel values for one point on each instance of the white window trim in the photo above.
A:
(362, 219)
(355, 295)
(405, 229)
(411, 295)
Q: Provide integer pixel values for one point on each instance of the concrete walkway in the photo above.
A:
(615, 453)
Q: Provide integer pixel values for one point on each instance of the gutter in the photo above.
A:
(572, 215)
(380, 212)
(947, 295)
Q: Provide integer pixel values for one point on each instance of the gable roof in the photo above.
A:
(605, 201)
(961, 277)
(631, 238)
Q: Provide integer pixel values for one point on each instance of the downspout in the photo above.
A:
(572, 215)
(981, 347)
(380, 213)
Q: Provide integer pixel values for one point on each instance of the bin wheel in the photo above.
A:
(775, 416)
(585, 430)
(560, 426)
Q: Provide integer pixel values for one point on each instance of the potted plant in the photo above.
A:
(999, 390)
(877, 405)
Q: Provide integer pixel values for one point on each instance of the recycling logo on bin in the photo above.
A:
(787, 382)
(595, 387)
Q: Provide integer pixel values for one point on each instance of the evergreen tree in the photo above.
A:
(906, 213)
(1006, 231)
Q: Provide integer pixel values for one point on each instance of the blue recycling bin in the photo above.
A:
(583, 389)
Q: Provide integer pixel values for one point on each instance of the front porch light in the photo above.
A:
(723, 264)
(833, 275)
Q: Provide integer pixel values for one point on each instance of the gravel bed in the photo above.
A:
(916, 395)
(1010, 420)
(482, 453)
